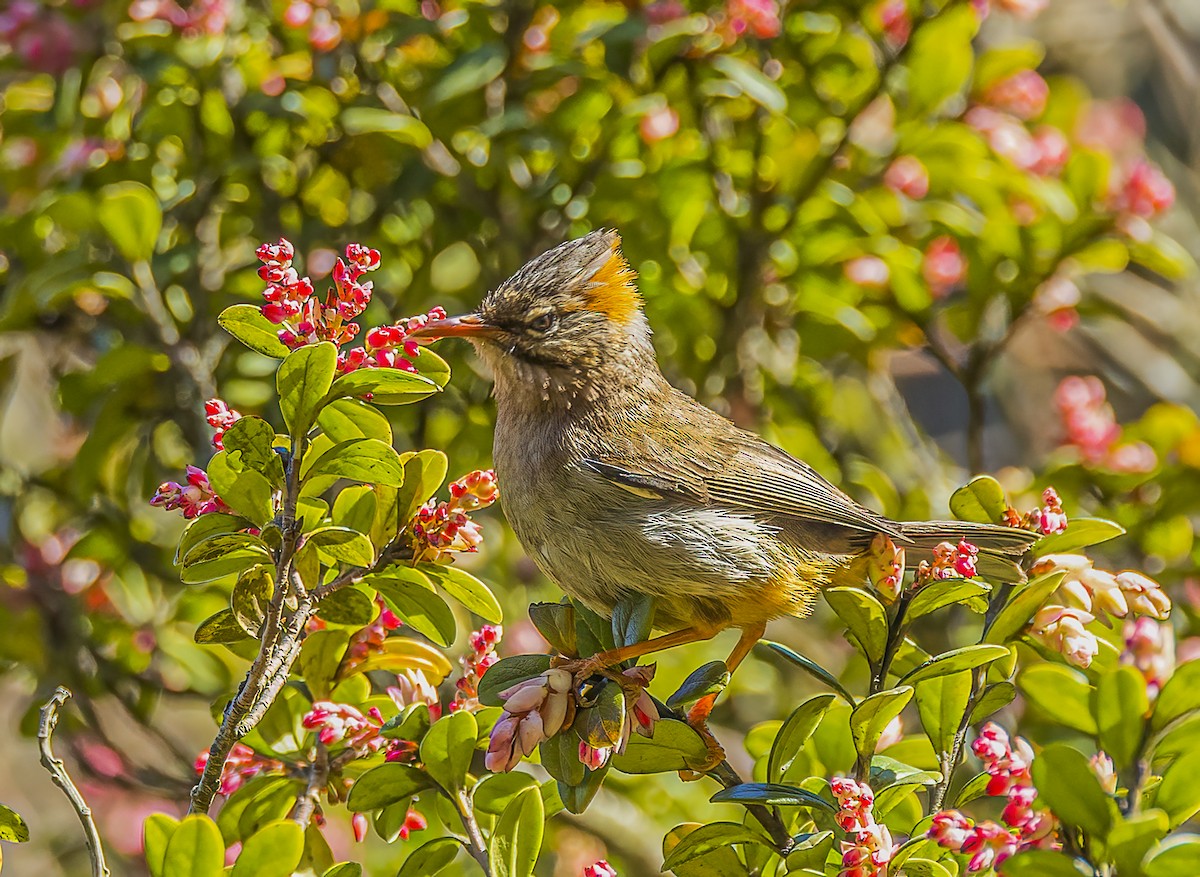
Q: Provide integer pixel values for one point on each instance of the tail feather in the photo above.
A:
(1001, 549)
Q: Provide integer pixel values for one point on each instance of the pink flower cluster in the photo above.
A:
(368, 640)
(534, 710)
(199, 18)
(194, 498)
(1150, 647)
(1023, 94)
(1051, 518)
(949, 561)
(1043, 151)
(1092, 427)
(242, 764)
(759, 18)
(885, 567)
(324, 31)
(989, 843)
(446, 526)
(41, 39)
(483, 655)
(1143, 190)
(413, 686)
(944, 266)
(872, 848)
(220, 417)
(600, 869)
(413, 821)
(341, 723)
(907, 176)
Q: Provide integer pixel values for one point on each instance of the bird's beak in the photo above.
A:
(466, 326)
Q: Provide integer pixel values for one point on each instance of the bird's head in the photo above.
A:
(568, 321)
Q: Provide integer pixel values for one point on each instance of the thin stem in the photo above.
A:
(318, 778)
(724, 774)
(47, 722)
(476, 846)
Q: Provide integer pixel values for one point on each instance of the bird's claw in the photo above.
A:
(715, 756)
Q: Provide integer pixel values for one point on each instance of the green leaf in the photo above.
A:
(1119, 704)
(274, 850)
(411, 723)
(918, 867)
(675, 746)
(386, 386)
(250, 444)
(1176, 857)
(354, 508)
(156, 834)
(303, 379)
(447, 748)
(1043, 863)
(1062, 693)
(400, 127)
(494, 793)
(433, 367)
(556, 623)
(344, 869)
(1081, 533)
(469, 73)
(424, 472)
(942, 593)
(385, 785)
(346, 419)
(981, 501)
(251, 598)
(247, 324)
(632, 619)
(1179, 793)
(517, 839)
(794, 733)
(247, 492)
(965, 658)
(320, 656)
(410, 596)
(12, 827)
(888, 772)
(205, 527)
(709, 838)
(1179, 697)
(1130, 840)
(466, 589)
(720, 862)
(130, 215)
(222, 627)
(996, 697)
(351, 606)
(753, 83)
(577, 798)
(1066, 782)
(601, 724)
(869, 719)
(506, 673)
(864, 616)
(771, 794)
(941, 703)
(342, 545)
(560, 757)
(972, 790)
(369, 461)
(195, 849)
(223, 555)
(939, 60)
(811, 667)
(810, 852)
(431, 858)
(1022, 606)
(711, 678)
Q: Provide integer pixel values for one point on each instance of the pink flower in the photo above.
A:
(1145, 192)
(1150, 647)
(534, 710)
(658, 124)
(895, 20)
(1052, 518)
(944, 266)
(1023, 94)
(360, 825)
(869, 271)
(340, 722)
(483, 655)
(1144, 595)
(949, 829)
(885, 567)
(441, 527)
(1102, 766)
(1061, 629)
(988, 846)
(600, 869)
(220, 417)
(193, 499)
(855, 800)
(1023, 9)
(593, 757)
(757, 17)
(1053, 150)
(640, 712)
(242, 763)
(907, 176)
(1090, 422)
(297, 14)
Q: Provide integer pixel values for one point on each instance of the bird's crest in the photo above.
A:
(612, 288)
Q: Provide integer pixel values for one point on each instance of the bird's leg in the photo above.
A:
(700, 711)
(582, 668)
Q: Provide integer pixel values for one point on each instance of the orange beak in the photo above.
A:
(466, 326)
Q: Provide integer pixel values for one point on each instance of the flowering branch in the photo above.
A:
(47, 722)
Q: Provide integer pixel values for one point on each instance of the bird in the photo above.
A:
(619, 485)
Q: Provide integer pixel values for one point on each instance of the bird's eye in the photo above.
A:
(542, 322)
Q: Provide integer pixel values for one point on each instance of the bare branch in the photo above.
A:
(58, 773)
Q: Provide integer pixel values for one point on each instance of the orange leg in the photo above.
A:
(750, 635)
(582, 669)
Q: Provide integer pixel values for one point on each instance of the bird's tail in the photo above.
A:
(1000, 548)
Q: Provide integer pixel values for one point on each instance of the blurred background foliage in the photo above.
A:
(893, 323)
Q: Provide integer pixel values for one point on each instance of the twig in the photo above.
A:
(724, 774)
(318, 777)
(58, 773)
(476, 847)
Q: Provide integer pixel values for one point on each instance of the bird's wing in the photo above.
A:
(737, 470)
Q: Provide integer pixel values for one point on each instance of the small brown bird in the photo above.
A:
(617, 483)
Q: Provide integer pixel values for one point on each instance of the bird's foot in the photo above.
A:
(698, 720)
(581, 669)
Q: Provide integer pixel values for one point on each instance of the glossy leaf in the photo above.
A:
(1043, 863)
(247, 492)
(12, 827)
(1179, 792)
(247, 324)
(869, 719)
(966, 658)
(709, 838)
(1180, 696)
(507, 672)
(1132, 837)
(794, 733)
(222, 627)
(556, 623)
(304, 377)
(602, 722)
(195, 849)
(447, 749)
(1022, 606)
(346, 419)
(431, 858)
(710, 678)
(632, 619)
(1176, 857)
(369, 461)
(409, 594)
(1119, 705)
(981, 500)
(812, 668)
(386, 386)
(941, 702)
(350, 606)
(272, 851)
(771, 794)
(1081, 533)
(466, 589)
(385, 785)
(675, 746)
(1066, 782)
(156, 834)
(342, 545)
(864, 616)
(1062, 693)
(424, 473)
(944, 592)
(517, 840)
